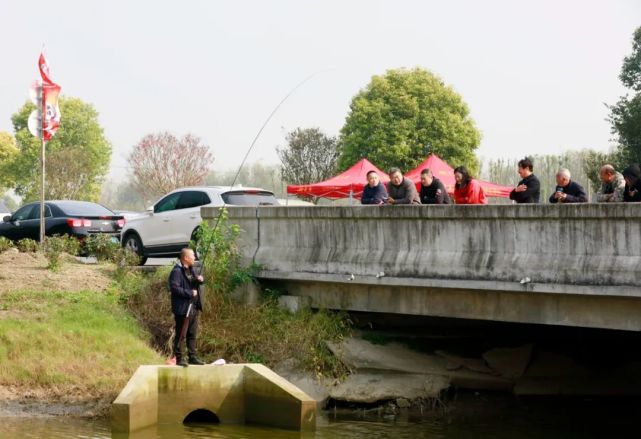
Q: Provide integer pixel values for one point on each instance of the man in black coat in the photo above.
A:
(632, 191)
(432, 189)
(529, 188)
(185, 291)
(567, 191)
(374, 191)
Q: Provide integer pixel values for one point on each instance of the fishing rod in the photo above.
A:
(183, 329)
(251, 147)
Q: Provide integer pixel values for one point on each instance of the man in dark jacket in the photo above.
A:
(432, 189)
(401, 190)
(632, 176)
(374, 191)
(185, 291)
(529, 188)
(567, 191)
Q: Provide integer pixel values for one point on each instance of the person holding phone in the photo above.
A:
(567, 191)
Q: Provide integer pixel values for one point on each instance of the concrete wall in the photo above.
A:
(333, 254)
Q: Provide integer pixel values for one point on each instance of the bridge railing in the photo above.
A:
(580, 244)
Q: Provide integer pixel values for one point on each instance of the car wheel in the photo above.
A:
(132, 242)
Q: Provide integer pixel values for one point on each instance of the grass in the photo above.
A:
(82, 344)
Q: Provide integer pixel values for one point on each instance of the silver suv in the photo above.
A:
(168, 225)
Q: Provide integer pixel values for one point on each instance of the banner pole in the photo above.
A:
(42, 165)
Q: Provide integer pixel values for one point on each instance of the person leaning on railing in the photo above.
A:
(374, 191)
(612, 185)
(401, 190)
(567, 191)
(432, 189)
(632, 176)
(529, 188)
(467, 190)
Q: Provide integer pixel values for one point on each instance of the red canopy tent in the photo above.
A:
(445, 173)
(343, 185)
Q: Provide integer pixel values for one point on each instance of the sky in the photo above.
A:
(536, 75)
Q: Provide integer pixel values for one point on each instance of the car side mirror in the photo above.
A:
(150, 210)
(7, 218)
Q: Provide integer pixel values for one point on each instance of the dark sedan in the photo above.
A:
(66, 217)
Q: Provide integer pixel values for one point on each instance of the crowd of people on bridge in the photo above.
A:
(615, 187)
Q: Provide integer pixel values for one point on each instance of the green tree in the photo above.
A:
(309, 157)
(625, 115)
(402, 116)
(8, 152)
(79, 138)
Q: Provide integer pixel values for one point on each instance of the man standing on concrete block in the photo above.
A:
(185, 304)
(401, 190)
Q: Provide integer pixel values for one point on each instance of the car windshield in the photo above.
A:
(83, 208)
(249, 198)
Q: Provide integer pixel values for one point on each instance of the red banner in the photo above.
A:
(50, 93)
(51, 120)
(43, 65)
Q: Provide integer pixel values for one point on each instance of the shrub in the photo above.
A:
(102, 247)
(54, 246)
(71, 244)
(5, 244)
(27, 245)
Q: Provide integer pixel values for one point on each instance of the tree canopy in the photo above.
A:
(161, 162)
(310, 156)
(625, 115)
(79, 154)
(8, 152)
(402, 116)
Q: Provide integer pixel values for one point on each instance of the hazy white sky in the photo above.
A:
(535, 74)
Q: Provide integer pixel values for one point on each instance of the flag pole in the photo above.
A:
(43, 113)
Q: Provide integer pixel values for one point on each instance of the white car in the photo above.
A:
(168, 225)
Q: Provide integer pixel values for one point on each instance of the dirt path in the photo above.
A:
(28, 272)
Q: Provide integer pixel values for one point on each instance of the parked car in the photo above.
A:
(172, 221)
(75, 218)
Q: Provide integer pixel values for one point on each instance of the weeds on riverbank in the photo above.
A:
(261, 333)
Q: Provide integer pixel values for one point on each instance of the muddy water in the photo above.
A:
(469, 416)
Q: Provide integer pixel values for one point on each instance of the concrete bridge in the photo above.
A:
(575, 265)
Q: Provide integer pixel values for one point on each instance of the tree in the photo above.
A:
(310, 156)
(121, 195)
(161, 163)
(625, 115)
(80, 138)
(8, 152)
(402, 116)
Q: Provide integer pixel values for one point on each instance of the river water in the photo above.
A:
(477, 416)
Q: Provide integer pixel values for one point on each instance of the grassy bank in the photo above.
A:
(70, 346)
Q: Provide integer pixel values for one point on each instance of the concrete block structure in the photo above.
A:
(236, 393)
